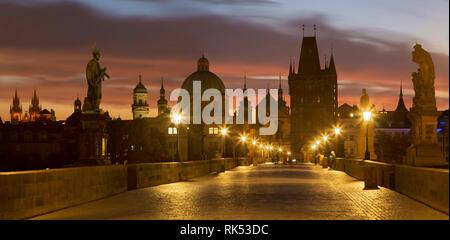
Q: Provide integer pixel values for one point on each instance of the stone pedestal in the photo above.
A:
(93, 139)
(424, 150)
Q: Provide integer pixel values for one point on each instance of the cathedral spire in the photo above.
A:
(401, 104)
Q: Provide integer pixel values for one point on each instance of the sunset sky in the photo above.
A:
(46, 44)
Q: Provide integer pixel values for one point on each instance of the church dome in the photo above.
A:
(140, 88)
(207, 78)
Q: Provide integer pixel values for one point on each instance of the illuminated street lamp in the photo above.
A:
(317, 142)
(366, 116)
(254, 142)
(337, 131)
(280, 149)
(325, 138)
(176, 119)
(243, 138)
(313, 146)
(224, 132)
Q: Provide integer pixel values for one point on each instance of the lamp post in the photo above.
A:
(223, 131)
(337, 131)
(244, 141)
(367, 115)
(315, 154)
(177, 120)
(325, 140)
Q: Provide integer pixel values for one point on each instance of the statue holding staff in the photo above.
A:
(95, 75)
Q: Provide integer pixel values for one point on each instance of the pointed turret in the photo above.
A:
(290, 66)
(331, 67)
(162, 102)
(401, 104)
(309, 56)
(245, 82)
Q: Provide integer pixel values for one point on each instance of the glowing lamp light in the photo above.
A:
(325, 138)
(313, 146)
(243, 138)
(318, 142)
(271, 148)
(261, 146)
(224, 131)
(337, 131)
(289, 153)
(367, 115)
(176, 118)
(267, 147)
(280, 149)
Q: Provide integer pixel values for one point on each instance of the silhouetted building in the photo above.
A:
(313, 92)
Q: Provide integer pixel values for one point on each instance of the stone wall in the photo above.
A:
(152, 174)
(427, 185)
(29, 193)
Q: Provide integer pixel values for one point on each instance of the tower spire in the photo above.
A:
(303, 30)
(401, 104)
(245, 81)
(315, 30)
(290, 65)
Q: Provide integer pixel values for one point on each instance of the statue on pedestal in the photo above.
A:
(94, 75)
(423, 79)
(424, 150)
(364, 101)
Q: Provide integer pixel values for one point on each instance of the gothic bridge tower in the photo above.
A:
(313, 92)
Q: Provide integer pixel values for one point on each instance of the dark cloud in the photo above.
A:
(49, 44)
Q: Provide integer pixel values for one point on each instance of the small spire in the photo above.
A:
(401, 89)
(303, 29)
(279, 87)
(315, 30)
(140, 79)
(245, 81)
(162, 82)
(290, 65)
(325, 61)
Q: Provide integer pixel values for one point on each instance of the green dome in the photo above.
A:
(207, 78)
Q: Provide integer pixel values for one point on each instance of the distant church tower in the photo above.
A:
(140, 106)
(162, 102)
(16, 110)
(313, 92)
(34, 108)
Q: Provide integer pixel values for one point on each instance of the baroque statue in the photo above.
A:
(423, 79)
(424, 150)
(95, 75)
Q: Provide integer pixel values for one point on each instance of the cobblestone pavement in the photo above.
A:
(262, 192)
